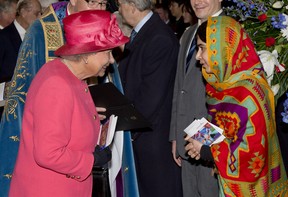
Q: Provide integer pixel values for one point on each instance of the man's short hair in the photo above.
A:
(141, 4)
(6, 5)
(23, 4)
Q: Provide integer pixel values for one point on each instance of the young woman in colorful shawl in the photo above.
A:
(240, 101)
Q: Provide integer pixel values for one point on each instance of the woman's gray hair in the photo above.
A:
(78, 57)
(141, 4)
(74, 58)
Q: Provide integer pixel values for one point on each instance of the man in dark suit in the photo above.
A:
(7, 12)
(11, 37)
(10, 42)
(147, 72)
(282, 129)
(189, 103)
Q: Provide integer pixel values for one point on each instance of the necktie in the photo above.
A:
(132, 36)
(190, 53)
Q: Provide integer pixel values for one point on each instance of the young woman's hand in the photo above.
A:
(193, 148)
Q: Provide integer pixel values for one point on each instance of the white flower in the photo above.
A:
(275, 88)
(286, 19)
(269, 61)
(285, 33)
(278, 4)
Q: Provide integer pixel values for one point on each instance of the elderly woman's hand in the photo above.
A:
(101, 109)
(193, 148)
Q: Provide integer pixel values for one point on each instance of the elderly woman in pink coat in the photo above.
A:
(61, 125)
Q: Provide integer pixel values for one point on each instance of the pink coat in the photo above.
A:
(59, 133)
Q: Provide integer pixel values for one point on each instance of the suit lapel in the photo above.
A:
(139, 37)
(187, 43)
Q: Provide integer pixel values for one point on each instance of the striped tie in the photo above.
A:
(190, 53)
(132, 36)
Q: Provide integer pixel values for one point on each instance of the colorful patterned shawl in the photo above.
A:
(241, 102)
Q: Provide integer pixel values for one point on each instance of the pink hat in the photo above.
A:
(90, 31)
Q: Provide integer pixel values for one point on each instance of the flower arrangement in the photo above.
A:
(266, 22)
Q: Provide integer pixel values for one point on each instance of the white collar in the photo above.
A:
(143, 21)
(20, 29)
(216, 14)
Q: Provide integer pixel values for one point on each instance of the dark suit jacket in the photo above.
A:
(147, 73)
(178, 26)
(10, 43)
(282, 130)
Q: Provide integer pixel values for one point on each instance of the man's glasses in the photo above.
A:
(94, 4)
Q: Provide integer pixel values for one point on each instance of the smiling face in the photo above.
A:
(205, 8)
(202, 55)
(98, 62)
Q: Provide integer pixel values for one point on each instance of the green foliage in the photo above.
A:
(264, 19)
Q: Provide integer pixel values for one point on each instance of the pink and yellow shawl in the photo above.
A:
(241, 102)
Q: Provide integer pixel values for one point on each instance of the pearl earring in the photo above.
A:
(85, 60)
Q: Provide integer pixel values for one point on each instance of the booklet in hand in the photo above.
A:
(205, 132)
(108, 96)
(107, 131)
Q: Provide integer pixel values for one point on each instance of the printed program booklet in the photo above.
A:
(107, 131)
(205, 132)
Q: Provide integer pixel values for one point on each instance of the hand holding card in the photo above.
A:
(205, 132)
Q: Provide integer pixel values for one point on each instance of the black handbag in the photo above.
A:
(101, 186)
